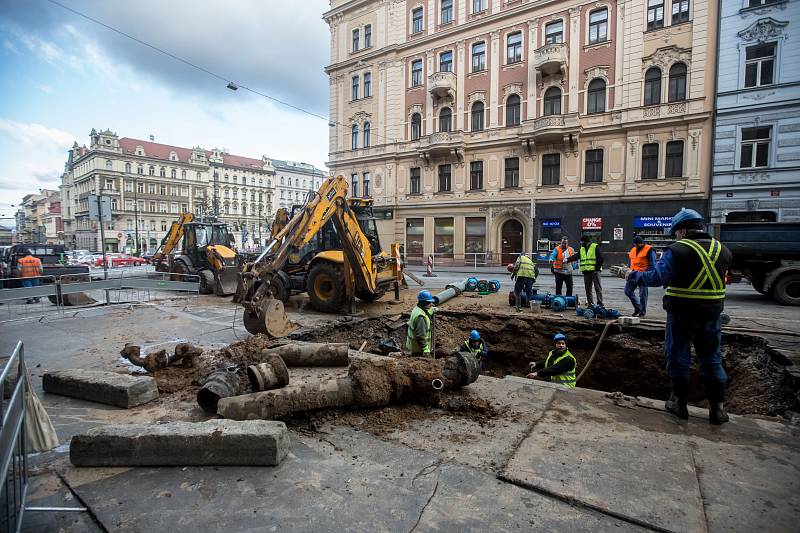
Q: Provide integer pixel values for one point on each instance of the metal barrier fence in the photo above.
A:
(467, 259)
(13, 461)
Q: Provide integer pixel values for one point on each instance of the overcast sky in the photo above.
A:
(61, 76)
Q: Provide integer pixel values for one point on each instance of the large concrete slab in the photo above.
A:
(121, 390)
(214, 442)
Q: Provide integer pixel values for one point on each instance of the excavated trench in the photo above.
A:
(630, 360)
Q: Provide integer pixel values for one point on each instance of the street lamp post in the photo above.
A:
(136, 215)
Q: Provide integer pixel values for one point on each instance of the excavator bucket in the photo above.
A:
(227, 280)
(270, 320)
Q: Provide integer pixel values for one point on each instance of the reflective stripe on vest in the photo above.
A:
(472, 350)
(525, 268)
(567, 378)
(639, 262)
(588, 258)
(558, 264)
(411, 343)
(708, 284)
(29, 267)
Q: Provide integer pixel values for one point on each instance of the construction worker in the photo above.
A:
(420, 327)
(693, 271)
(591, 264)
(524, 274)
(29, 269)
(559, 366)
(642, 258)
(560, 268)
(475, 345)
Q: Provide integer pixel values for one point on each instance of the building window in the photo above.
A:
(512, 172)
(754, 152)
(354, 137)
(416, 20)
(552, 101)
(447, 11)
(446, 61)
(474, 235)
(354, 185)
(162, 172)
(655, 14)
(650, 161)
(415, 236)
(183, 174)
(128, 168)
(594, 166)
(513, 110)
(151, 170)
(478, 6)
(128, 186)
(476, 175)
(366, 134)
(443, 236)
(445, 119)
(477, 116)
(416, 73)
(596, 97)
(416, 126)
(151, 188)
(514, 47)
(140, 188)
(366, 184)
(554, 32)
(680, 11)
(140, 169)
(759, 66)
(355, 40)
(652, 86)
(478, 57)
(367, 84)
(756, 3)
(445, 174)
(551, 169)
(415, 180)
(109, 164)
(173, 173)
(355, 88)
(368, 36)
(598, 26)
(674, 162)
(677, 82)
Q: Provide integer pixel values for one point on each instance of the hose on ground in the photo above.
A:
(596, 349)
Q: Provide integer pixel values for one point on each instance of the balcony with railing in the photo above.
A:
(440, 84)
(550, 128)
(551, 59)
(441, 143)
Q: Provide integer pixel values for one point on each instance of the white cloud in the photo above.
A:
(36, 136)
(44, 88)
(8, 45)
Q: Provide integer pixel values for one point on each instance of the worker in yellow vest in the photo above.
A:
(524, 274)
(591, 264)
(419, 329)
(558, 367)
(642, 258)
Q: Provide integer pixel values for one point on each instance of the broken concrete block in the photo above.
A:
(628, 320)
(110, 388)
(215, 442)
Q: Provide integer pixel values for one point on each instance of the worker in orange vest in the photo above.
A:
(642, 258)
(29, 269)
(561, 268)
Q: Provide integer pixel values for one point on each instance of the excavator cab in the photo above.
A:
(206, 246)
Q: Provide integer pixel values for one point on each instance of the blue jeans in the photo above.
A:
(523, 284)
(705, 335)
(30, 282)
(640, 303)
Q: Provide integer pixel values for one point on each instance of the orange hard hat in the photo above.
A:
(510, 267)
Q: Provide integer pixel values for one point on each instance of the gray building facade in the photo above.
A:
(756, 167)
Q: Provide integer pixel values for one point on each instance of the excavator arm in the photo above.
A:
(171, 239)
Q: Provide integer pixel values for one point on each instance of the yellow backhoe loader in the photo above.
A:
(205, 252)
(329, 249)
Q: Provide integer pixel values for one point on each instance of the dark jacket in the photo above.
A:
(598, 265)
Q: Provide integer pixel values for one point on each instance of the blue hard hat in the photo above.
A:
(684, 215)
(474, 335)
(559, 337)
(426, 296)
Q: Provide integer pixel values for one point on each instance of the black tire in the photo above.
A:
(207, 282)
(279, 290)
(365, 296)
(325, 287)
(787, 289)
(757, 283)
(252, 324)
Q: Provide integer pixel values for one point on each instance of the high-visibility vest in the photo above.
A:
(708, 283)
(525, 268)
(29, 267)
(638, 258)
(589, 258)
(474, 351)
(558, 264)
(568, 378)
(411, 343)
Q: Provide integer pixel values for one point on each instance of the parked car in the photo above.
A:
(118, 260)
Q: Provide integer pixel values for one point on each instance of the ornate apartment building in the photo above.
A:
(151, 184)
(293, 182)
(486, 128)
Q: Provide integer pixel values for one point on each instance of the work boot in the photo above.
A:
(715, 392)
(636, 313)
(678, 398)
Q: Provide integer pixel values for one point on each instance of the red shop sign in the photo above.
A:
(592, 223)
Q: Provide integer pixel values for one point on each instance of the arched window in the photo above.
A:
(677, 82)
(596, 96)
(354, 137)
(652, 86)
(366, 136)
(513, 110)
(162, 172)
(552, 101)
(151, 170)
(128, 168)
(477, 117)
(174, 173)
(416, 126)
(445, 119)
(183, 174)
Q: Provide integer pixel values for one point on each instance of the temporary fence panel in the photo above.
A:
(13, 461)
